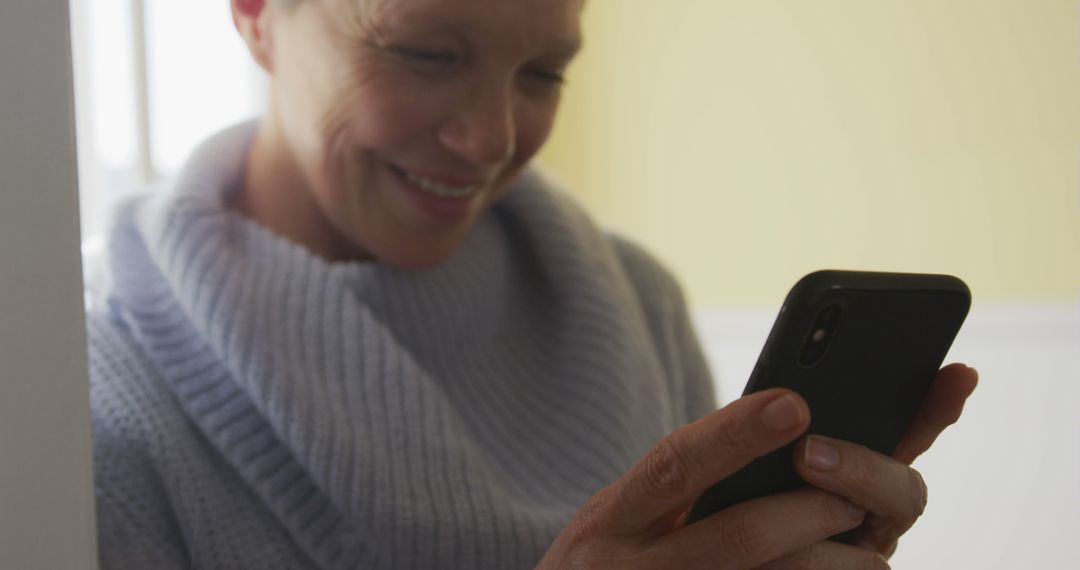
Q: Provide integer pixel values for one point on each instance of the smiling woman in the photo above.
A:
(362, 332)
(395, 125)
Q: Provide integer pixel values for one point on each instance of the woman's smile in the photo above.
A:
(442, 200)
(443, 186)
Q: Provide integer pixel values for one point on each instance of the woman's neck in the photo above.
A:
(276, 194)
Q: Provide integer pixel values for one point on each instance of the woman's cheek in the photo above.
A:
(534, 126)
(394, 114)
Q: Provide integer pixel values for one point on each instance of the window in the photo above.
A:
(153, 79)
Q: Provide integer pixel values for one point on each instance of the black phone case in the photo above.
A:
(892, 334)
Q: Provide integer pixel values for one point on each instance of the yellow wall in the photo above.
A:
(749, 142)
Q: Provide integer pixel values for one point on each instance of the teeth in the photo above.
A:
(432, 187)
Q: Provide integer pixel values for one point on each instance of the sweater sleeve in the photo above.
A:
(689, 379)
(135, 523)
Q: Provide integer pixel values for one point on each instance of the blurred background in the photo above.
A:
(750, 142)
(747, 143)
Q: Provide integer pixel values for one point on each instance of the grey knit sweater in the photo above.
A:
(257, 407)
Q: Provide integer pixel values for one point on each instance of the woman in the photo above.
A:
(360, 334)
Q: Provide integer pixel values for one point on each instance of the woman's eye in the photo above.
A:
(551, 76)
(425, 56)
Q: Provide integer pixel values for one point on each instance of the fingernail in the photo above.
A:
(821, 455)
(782, 413)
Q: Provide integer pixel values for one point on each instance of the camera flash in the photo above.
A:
(819, 335)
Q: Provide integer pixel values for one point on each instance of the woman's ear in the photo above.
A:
(252, 20)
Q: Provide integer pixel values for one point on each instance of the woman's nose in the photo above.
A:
(481, 130)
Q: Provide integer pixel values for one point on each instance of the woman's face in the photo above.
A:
(408, 118)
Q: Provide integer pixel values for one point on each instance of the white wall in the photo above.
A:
(46, 495)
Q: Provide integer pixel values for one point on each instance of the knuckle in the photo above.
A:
(919, 494)
(839, 514)
(734, 436)
(741, 539)
(667, 470)
(817, 558)
(584, 543)
(868, 474)
(593, 516)
(805, 559)
(875, 561)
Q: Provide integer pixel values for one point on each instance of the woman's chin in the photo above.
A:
(427, 230)
(419, 253)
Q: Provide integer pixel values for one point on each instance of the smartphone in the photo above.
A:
(862, 349)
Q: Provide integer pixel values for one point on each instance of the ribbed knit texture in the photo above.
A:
(257, 407)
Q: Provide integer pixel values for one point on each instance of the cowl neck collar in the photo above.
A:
(437, 418)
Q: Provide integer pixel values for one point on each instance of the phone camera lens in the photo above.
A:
(820, 335)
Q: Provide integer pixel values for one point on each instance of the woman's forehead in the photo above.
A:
(533, 21)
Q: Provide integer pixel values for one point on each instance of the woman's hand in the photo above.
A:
(860, 475)
(637, 522)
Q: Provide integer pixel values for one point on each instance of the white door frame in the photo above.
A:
(46, 490)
